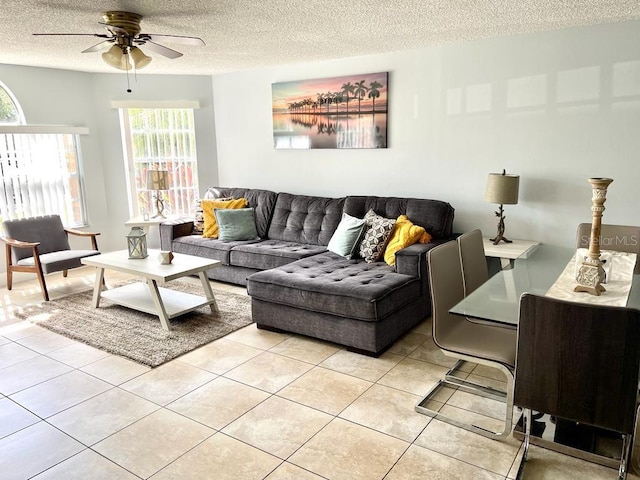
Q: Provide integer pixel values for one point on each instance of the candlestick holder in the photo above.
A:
(591, 274)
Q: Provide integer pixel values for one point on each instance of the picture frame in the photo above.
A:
(349, 111)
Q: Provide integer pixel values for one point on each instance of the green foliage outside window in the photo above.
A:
(8, 110)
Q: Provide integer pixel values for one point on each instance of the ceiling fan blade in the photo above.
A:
(181, 39)
(155, 47)
(99, 35)
(114, 29)
(98, 46)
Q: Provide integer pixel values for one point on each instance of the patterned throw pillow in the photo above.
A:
(198, 218)
(377, 233)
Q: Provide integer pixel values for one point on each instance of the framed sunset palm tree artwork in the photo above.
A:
(337, 112)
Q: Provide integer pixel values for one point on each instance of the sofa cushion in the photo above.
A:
(304, 219)
(263, 201)
(331, 284)
(346, 238)
(271, 253)
(234, 225)
(209, 207)
(376, 236)
(434, 215)
(206, 247)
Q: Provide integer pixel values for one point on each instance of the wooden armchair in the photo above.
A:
(40, 245)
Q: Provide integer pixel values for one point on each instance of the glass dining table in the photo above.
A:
(497, 300)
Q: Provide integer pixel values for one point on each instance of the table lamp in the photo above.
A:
(158, 180)
(503, 190)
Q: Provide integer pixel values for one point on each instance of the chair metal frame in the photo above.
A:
(450, 252)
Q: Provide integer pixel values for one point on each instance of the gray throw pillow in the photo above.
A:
(236, 224)
(376, 236)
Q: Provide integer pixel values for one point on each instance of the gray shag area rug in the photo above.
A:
(139, 336)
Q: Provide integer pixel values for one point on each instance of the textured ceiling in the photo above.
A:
(245, 34)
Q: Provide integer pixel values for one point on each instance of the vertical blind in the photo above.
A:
(163, 139)
(41, 176)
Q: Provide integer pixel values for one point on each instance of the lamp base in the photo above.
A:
(159, 205)
(500, 238)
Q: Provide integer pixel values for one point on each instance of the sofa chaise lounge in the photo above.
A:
(297, 285)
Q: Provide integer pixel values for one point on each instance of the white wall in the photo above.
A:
(61, 97)
(110, 87)
(555, 108)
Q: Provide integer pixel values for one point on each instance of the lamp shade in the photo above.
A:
(502, 189)
(116, 58)
(157, 180)
(140, 60)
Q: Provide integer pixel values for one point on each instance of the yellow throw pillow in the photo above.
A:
(210, 223)
(405, 233)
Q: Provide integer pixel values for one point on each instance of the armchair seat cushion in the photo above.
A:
(57, 261)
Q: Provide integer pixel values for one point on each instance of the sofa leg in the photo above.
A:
(367, 352)
(270, 329)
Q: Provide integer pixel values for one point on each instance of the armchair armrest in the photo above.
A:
(11, 242)
(18, 244)
(80, 233)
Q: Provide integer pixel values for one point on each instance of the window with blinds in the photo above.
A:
(40, 176)
(39, 168)
(161, 139)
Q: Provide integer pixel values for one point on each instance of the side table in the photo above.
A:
(507, 252)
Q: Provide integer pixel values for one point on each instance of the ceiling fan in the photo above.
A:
(125, 37)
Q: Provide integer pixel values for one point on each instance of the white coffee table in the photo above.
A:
(147, 296)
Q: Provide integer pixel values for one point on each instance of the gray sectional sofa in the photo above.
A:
(297, 285)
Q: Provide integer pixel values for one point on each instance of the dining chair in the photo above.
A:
(619, 238)
(472, 258)
(578, 362)
(462, 339)
(40, 245)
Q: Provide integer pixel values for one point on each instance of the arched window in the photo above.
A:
(10, 111)
(39, 167)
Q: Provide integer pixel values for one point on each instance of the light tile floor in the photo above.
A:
(252, 405)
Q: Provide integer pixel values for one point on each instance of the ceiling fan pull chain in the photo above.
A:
(128, 86)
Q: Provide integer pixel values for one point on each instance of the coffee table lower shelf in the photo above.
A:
(138, 297)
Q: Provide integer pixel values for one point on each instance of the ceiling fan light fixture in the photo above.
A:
(116, 58)
(140, 60)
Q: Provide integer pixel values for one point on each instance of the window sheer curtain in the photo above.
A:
(40, 176)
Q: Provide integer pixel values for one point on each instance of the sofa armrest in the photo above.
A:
(412, 260)
(173, 229)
